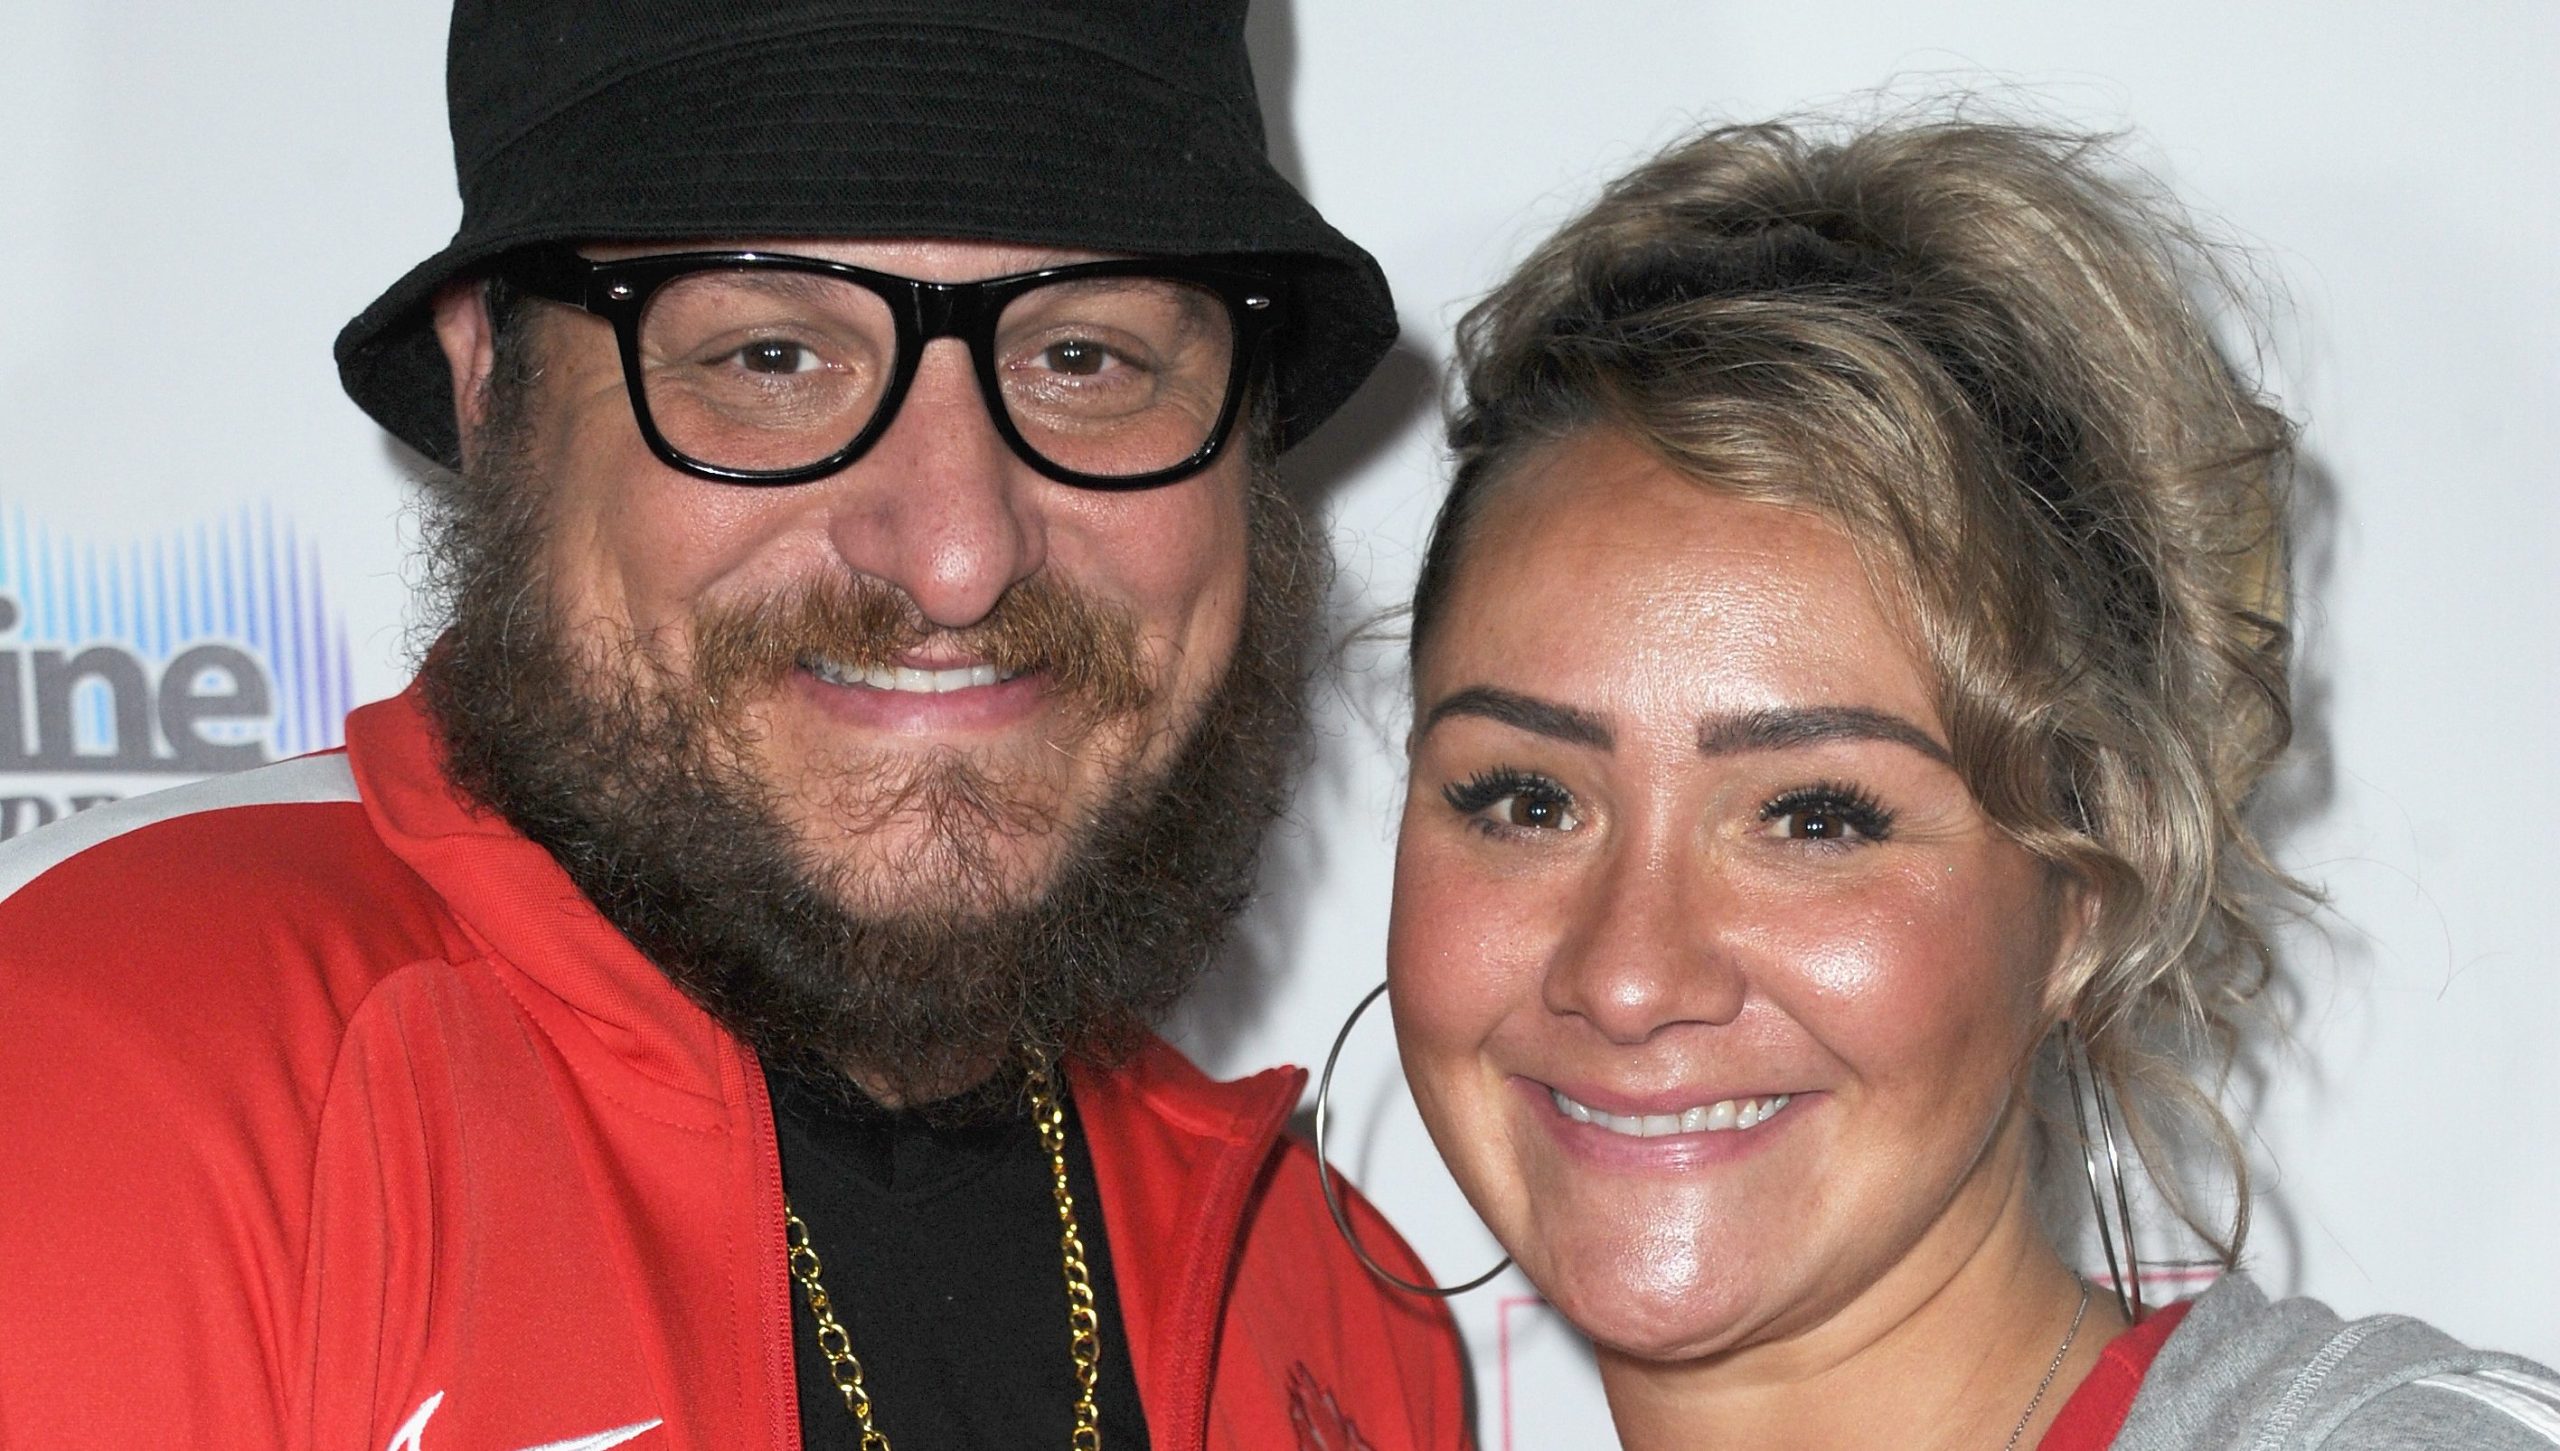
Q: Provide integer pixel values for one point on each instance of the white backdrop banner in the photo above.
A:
(203, 545)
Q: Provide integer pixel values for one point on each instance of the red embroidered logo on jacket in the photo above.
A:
(1321, 1424)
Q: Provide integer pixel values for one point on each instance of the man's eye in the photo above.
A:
(777, 355)
(1514, 801)
(1076, 357)
(1828, 813)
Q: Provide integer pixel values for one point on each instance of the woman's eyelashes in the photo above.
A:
(1828, 813)
(1509, 801)
(1504, 800)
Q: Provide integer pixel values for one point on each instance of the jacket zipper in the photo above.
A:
(772, 1290)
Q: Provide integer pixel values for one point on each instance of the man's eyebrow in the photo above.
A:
(1524, 712)
(1781, 728)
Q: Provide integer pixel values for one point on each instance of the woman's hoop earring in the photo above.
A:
(2128, 1274)
(1333, 1195)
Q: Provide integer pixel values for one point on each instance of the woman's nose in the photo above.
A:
(1649, 948)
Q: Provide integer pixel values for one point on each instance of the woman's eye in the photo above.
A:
(777, 355)
(1535, 811)
(1827, 814)
(1514, 801)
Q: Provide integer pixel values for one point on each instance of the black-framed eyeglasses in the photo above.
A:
(767, 368)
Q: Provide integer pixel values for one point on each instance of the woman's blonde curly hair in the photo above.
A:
(1979, 348)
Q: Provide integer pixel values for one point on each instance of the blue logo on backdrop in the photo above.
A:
(206, 649)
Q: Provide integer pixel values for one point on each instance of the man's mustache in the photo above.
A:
(1084, 650)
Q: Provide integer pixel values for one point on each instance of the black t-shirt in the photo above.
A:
(941, 1260)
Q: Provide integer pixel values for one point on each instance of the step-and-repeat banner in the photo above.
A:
(203, 546)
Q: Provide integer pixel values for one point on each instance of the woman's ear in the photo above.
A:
(470, 345)
(2073, 906)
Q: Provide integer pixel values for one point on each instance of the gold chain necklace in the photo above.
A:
(1084, 1325)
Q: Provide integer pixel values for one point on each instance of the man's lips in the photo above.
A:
(908, 679)
(925, 699)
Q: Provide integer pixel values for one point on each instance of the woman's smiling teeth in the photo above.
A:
(899, 677)
(1707, 1118)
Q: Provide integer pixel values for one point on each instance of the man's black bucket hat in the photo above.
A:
(1115, 125)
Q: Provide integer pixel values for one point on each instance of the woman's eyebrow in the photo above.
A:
(1780, 728)
(1528, 713)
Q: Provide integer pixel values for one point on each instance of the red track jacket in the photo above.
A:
(331, 1116)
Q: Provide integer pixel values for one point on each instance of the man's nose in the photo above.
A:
(1647, 949)
(939, 506)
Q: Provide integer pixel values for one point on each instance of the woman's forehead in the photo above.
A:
(1599, 566)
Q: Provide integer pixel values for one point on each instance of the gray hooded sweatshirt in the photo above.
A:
(2242, 1374)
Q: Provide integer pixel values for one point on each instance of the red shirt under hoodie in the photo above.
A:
(332, 1116)
(2097, 1410)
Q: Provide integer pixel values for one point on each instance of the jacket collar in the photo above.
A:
(1182, 1131)
(1176, 1154)
(1177, 1157)
(605, 1005)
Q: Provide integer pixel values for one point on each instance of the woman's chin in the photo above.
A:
(1649, 1307)
(1657, 1333)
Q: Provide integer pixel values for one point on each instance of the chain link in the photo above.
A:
(833, 1343)
(2061, 1353)
(1084, 1324)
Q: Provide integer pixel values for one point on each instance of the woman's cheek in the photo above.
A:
(1896, 980)
(1459, 967)
(1459, 941)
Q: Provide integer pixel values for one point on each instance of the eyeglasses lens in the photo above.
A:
(766, 370)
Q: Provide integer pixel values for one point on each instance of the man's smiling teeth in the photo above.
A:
(899, 677)
(1708, 1118)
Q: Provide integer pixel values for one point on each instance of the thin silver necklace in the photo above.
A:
(2050, 1371)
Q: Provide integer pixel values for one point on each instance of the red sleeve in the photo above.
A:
(167, 1045)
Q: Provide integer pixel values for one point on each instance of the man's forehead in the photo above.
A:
(931, 259)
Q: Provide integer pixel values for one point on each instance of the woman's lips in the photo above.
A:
(1725, 1115)
(1662, 1132)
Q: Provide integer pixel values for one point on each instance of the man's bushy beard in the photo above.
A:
(629, 773)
